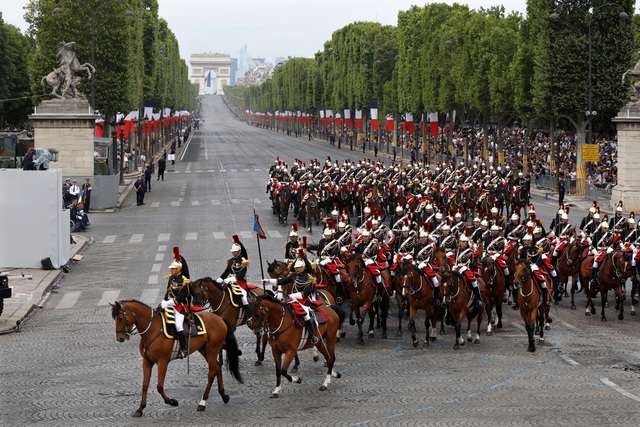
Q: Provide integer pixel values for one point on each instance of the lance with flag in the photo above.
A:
(260, 234)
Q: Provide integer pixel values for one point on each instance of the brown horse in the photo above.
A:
(134, 317)
(278, 270)
(311, 212)
(494, 281)
(362, 292)
(420, 295)
(215, 297)
(286, 337)
(456, 296)
(520, 200)
(611, 275)
(283, 203)
(569, 267)
(532, 308)
(488, 202)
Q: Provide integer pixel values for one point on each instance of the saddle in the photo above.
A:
(298, 313)
(193, 323)
(235, 294)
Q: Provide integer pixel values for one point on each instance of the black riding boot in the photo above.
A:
(249, 309)
(545, 297)
(594, 275)
(436, 296)
(557, 289)
(476, 292)
(183, 345)
(381, 290)
(311, 330)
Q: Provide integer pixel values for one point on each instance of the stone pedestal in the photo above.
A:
(66, 125)
(628, 188)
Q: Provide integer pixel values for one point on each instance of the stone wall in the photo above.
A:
(628, 188)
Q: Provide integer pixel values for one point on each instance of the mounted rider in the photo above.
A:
(462, 266)
(424, 251)
(178, 298)
(542, 242)
(303, 292)
(602, 242)
(495, 245)
(529, 252)
(369, 247)
(236, 271)
(291, 247)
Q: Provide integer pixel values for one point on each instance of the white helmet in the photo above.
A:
(520, 174)
(619, 209)
(398, 209)
(494, 210)
(484, 223)
(464, 238)
(235, 248)
(293, 233)
(631, 221)
(366, 233)
(537, 230)
(176, 264)
(458, 215)
(299, 263)
(423, 234)
(530, 224)
(515, 217)
(527, 237)
(327, 232)
(405, 228)
(565, 216)
(592, 210)
(429, 207)
(560, 211)
(596, 215)
(438, 215)
(335, 212)
(605, 224)
(367, 210)
(375, 223)
(494, 227)
(446, 227)
(341, 224)
(476, 219)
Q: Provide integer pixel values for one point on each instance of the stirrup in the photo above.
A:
(182, 354)
(436, 302)
(315, 339)
(547, 304)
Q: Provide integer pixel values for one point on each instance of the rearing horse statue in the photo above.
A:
(635, 87)
(65, 78)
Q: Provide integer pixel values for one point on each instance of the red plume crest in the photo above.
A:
(304, 242)
(294, 226)
(176, 253)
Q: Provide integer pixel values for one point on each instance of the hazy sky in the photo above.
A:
(270, 28)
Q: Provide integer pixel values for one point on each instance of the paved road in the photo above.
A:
(66, 369)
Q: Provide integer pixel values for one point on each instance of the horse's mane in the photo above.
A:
(209, 279)
(413, 268)
(270, 298)
(116, 308)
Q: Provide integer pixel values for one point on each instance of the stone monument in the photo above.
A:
(628, 124)
(67, 123)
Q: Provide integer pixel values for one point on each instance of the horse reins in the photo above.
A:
(129, 332)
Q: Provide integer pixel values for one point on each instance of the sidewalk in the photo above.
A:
(30, 293)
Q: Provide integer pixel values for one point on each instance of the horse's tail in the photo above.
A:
(233, 353)
(341, 314)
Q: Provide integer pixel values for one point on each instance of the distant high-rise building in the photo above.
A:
(279, 60)
(234, 69)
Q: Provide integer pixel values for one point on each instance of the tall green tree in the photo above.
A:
(15, 104)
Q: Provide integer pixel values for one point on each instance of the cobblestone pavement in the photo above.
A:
(66, 369)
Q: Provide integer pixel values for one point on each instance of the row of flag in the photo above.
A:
(327, 118)
(150, 122)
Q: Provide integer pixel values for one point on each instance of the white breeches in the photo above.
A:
(179, 317)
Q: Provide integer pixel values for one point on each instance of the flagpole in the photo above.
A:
(259, 255)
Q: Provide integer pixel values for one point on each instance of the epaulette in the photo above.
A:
(245, 262)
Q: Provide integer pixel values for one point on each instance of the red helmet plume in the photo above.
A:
(369, 225)
(632, 214)
(301, 252)
(605, 218)
(426, 226)
(331, 223)
(530, 230)
(566, 209)
(236, 239)
(467, 231)
(294, 226)
(304, 242)
(176, 253)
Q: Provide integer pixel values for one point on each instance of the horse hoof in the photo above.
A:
(489, 333)
(573, 306)
(323, 388)
(225, 399)
(201, 408)
(257, 363)
(343, 334)
(588, 313)
(476, 341)
(469, 339)
(274, 395)
(316, 358)
(384, 335)
(531, 348)
(415, 343)
(620, 316)
(173, 402)
(425, 344)
(360, 341)
(371, 334)
(137, 414)
(604, 319)
(433, 339)
(499, 324)
(456, 346)
(324, 365)
(352, 322)
(239, 352)
(593, 310)
(606, 304)
(442, 332)
(547, 327)
(298, 380)
(633, 313)
(294, 370)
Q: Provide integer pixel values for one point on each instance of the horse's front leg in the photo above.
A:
(603, 303)
(400, 313)
(412, 325)
(296, 364)
(459, 340)
(288, 358)
(620, 301)
(372, 318)
(215, 371)
(162, 372)
(277, 357)
(147, 368)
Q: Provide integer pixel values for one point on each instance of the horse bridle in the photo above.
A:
(130, 331)
(493, 276)
(410, 287)
(264, 324)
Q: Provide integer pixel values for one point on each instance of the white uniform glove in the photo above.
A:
(297, 295)
(269, 281)
(609, 250)
(422, 265)
(369, 261)
(169, 303)
(219, 280)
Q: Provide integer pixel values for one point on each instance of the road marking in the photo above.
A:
(195, 203)
(216, 202)
(256, 201)
(155, 204)
(570, 326)
(156, 268)
(108, 296)
(181, 199)
(188, 166)
(234, 170)
(153, 280)
(245, 170)
(162, 248)
(68, 300)
(257, 170)
(569, 360)
(136, 238)
(223, 170)
(212, 170)
(275, 234)
(246, 234)
(192, 236)
(149, 296)
(519, 326)
(109, 239)
(218, 235)
(159, 257)
(164, 237)
(175, 203)
(619, 389)
(235, 200)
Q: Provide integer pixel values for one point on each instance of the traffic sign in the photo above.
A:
(590, 153)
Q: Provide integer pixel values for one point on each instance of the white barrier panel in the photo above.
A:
(33, 225)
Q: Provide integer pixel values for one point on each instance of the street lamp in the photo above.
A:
(590, 113)
(121, 124)
(93, 11)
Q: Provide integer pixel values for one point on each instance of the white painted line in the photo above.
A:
(153, 280)
(619, 389)
(155, 204)
(212, 170)
(136, 238)
(188, 166)
(216, 202)
(235, 200)
(223, 170)
(275, 234)
(195, 203)
(109, 239)
(247, 234)
(218, 235)
(234, 170)
(156, 268)
(181, 199)
(245, 170)
(175, 203)
(149, 296)
(519, 326)
(257, 201)
(570, 326)
(164, 237)
(162, 248)
(108, 296)
(159, 257)
(176, 171)
(569, 360)
(187, 171)
(68, 300)
(256, 170)
(192, 236)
